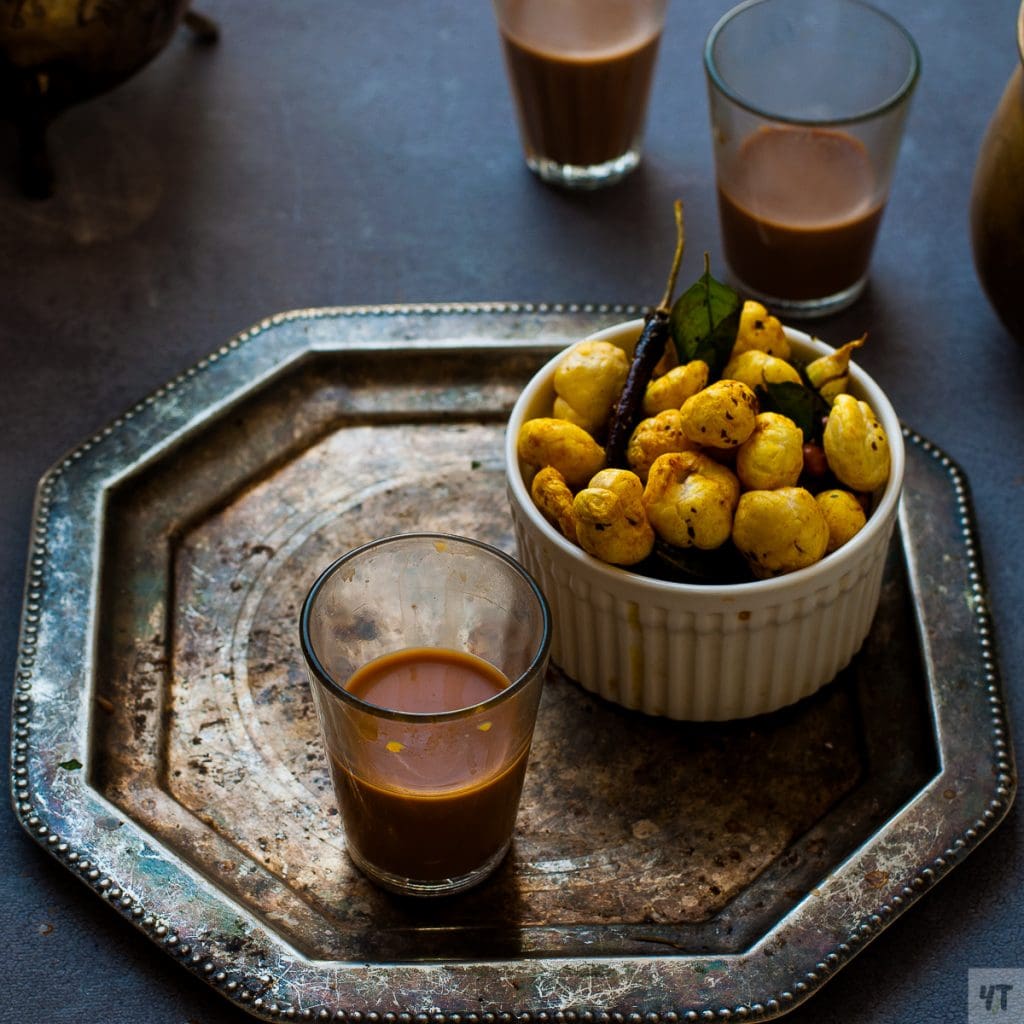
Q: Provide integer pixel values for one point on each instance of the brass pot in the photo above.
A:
(54, 53)
(997, 201)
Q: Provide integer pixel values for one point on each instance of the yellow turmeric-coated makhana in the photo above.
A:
(611, 523)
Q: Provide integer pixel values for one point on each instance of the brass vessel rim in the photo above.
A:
(1020, 32)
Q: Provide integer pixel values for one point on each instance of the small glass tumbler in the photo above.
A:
(426, 655)
(807, 102)
(580, 73)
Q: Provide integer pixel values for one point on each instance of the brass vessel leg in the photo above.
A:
(205, 29)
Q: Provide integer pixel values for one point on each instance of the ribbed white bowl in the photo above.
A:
(704, 653)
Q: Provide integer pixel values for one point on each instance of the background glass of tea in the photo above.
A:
(580, 73)
(808, 101)
(426, 655)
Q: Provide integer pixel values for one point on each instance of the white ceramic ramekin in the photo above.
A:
(694, 652)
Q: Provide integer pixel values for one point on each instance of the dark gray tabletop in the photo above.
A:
(334, 153)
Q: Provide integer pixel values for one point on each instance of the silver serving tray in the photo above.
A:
(165, 748)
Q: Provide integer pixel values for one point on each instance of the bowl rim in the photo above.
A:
(826, 569)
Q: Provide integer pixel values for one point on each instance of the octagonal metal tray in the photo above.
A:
(165, 747)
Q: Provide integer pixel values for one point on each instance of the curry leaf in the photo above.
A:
(705, 319)
(803, 405)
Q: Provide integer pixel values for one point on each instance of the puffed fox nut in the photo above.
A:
(720, 416)
(611, 523)
(844, 515)
(756, 368)
(552, 496)
(779, 531)
(773, 455)
(690, 500)
(547, 441)
(670, 390)
(830, 375)
(588, 381)
(655, 436)
(759, 329)
(856, 446)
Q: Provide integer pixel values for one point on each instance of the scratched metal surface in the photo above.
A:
(165, 748)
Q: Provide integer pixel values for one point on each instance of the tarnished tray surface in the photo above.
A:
(659, 868)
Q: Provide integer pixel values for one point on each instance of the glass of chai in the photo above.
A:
(807, 102)
(426, 656)
(580, 73)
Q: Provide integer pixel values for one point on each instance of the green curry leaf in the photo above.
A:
(705, 319)
(803, 405)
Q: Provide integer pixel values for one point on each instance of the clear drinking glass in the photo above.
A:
(427, 764)
(808, 102)
(580, 73)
